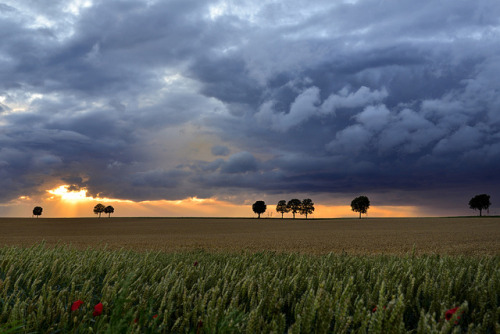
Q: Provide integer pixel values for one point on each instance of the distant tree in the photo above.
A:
(37, 211)
(98, 209)
(109, 210)
(307, 207)
(259, 207)
(360, 204)
(480, 202)
(294, 206)
(282, 208)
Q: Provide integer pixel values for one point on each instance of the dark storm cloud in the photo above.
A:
(220, 150)
(322, 97)
(242, 162)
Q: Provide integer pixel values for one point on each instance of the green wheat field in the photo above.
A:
(195, 275)
(263, 292)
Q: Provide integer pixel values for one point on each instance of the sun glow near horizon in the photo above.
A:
(65, 202)
(65, 194)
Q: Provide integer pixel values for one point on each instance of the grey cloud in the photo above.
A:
(3, 108)
(157, 178)
(324, 98)
(74, 187)
(201, 167)
(304, 106)
(308, 104)
(46, 160)
(346, 99)
(241, 162)
(223, 80)
(350, 140)
(464, 139)
(374, 117)
(220, 150)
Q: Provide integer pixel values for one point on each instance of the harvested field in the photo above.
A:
(454, 236)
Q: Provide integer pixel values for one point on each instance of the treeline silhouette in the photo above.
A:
(305, 207)
(99, 208)
(359, 204)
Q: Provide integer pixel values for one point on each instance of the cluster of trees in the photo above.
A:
(306, 207)
(360, 204)
(99, 208)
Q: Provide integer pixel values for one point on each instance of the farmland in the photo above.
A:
(452, 236)
(145, 275)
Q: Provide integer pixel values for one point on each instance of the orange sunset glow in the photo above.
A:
(64, 194)
(62, 202)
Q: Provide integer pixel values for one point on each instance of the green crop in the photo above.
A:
(200, 292)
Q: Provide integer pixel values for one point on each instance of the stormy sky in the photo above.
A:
(242, 100)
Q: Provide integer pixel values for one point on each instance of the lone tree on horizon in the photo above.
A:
(307, 207)
(360, 204)
(282, 207)
(37, 211)
(259, 207)
(109, 210)
(480, 202)
(98, 209)
(294, 206)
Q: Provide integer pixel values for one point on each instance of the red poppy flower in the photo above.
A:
(195, 263)
(76, 305)
(155, 316)
(98, 310)
(375, 308)
(449, 313)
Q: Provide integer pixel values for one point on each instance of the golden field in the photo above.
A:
(454, 236)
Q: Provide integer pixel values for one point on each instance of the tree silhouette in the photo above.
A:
(37, 211)
(259, 207)
(282, 208)
(480, 202)
(98, 209)
(294, 206)
(307, 207)
(360, 204)
(109, 210)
